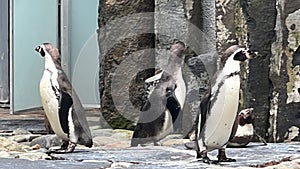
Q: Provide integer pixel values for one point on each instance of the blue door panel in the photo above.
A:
(84, 50)
(35, 22)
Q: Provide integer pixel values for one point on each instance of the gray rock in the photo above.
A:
(9, 145)
(118, 145)
(122, 134)
(24, 137)
(33, 155)
(46, 141)
(173, 136)
(102, 141)
(21, 131)
(96, 131)
(4, 154)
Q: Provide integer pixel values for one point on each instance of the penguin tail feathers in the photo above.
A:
(87, 143)
(134, 143)
(140, 137)
(85, 140)
(139, 141)
(136, 139)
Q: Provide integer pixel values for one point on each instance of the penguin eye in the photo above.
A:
(42, 52)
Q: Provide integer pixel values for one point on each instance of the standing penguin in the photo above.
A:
(243, 134)
(166, 96)
(61, 104)
(245, 129)
(218, 108)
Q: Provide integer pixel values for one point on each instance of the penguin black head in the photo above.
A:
(241, 53)
(245, 117)
(41, 50)
(48, 48)
(178, 49)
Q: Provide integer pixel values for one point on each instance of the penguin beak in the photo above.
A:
(40, 50)
(249, 53)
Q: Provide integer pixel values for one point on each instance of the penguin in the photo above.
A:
(61, 103)
(218, 108)
(242, 135)
(166, 94)
(245, 130)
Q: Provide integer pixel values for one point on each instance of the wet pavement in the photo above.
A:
(155, 158)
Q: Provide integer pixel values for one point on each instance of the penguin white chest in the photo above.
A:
(180, 91)
(222, 114)
(246, 130)
(49, 91)
(167, 126)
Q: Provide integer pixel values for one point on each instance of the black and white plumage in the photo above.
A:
(245, 130)
(61, 103)
(166, 96)
(218, 109)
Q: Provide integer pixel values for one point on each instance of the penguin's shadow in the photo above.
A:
(49, 152)
(247, 146)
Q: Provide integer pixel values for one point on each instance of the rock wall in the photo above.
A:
(260, 19)
(119, 44)
(270, 82)
(284, 72)
(270, 28)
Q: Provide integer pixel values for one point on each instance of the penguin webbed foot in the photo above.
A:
(66, 147)
(209, 161)
(223, 158)
(227, 160)
(202, 156)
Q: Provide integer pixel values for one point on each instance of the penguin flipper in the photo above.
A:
(78, 112)
(199, 123)
(65, 104)
(144, 128)
(173, 106)
(204, 109)
(80, 121)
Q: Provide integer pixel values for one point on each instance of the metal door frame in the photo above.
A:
(64, 34)
(11, 58)
(5, 97)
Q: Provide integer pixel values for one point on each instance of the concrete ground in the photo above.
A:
(107, 153)
(33, 119)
